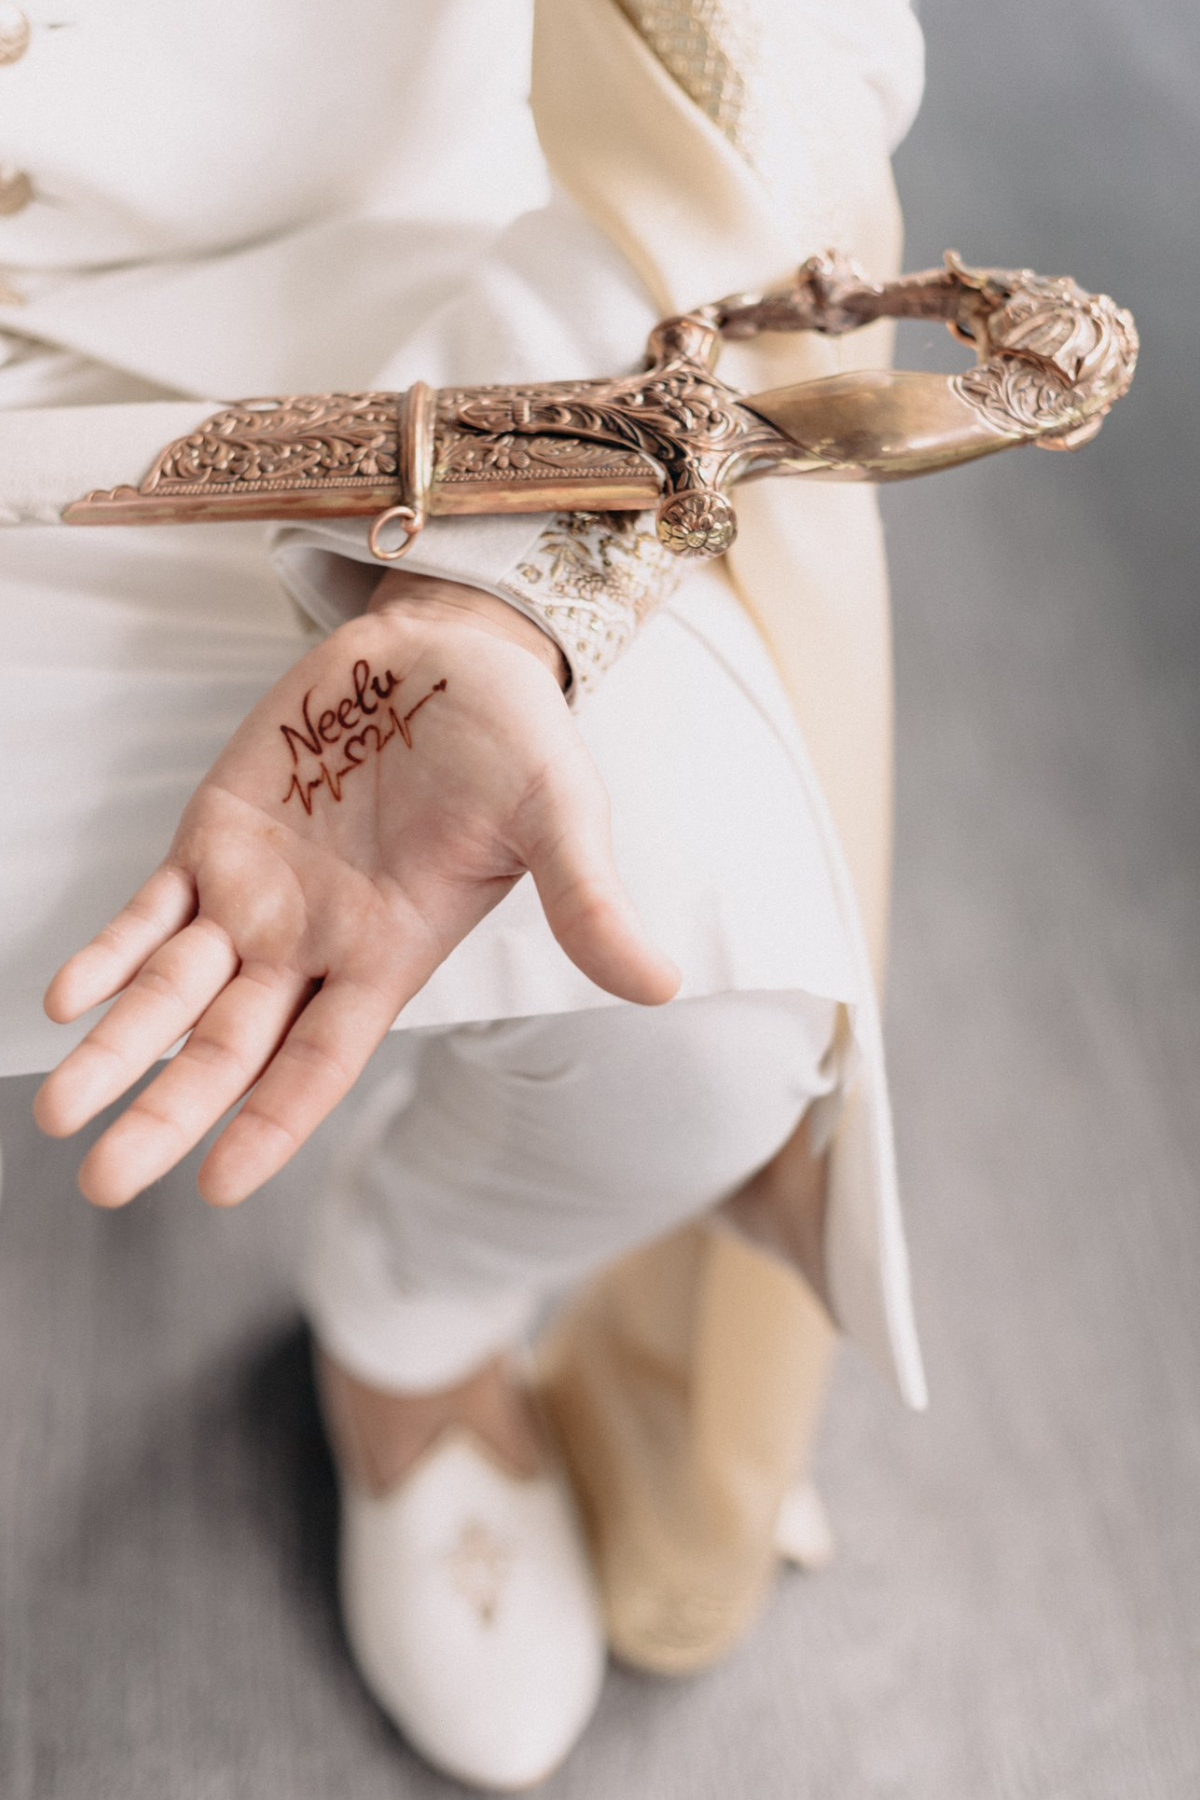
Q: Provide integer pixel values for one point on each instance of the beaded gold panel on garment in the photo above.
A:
(711, 48)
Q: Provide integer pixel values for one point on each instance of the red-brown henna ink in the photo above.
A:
(370, 693)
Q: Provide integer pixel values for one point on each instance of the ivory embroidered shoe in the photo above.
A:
(471, 1609)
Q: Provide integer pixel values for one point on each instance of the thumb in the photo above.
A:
(586, 905)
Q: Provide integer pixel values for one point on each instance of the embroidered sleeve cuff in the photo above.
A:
(590, 581)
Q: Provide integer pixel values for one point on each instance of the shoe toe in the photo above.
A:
(472, 1611)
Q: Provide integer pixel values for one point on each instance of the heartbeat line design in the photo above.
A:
(373, 739)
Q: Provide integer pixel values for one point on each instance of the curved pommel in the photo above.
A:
(1052, 360)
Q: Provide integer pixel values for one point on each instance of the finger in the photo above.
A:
(225, 1055)
(590, 913)
(317, 1064)
(161, 1003)
(157, 911)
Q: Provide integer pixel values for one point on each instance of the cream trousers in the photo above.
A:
(509, 1160)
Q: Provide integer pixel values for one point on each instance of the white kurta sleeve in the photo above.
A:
(551, 300)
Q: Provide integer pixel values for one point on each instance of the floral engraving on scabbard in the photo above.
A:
(298, 441)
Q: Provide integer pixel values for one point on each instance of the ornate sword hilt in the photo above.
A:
(1051, 362)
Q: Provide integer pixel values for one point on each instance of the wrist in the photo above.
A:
(404, 593)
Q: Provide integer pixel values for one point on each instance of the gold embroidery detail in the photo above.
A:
(593, 579)
(14, 34)
(479, 1565)
(16, 191)
(709, 47)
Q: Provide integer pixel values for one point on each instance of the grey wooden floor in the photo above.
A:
(1015, 1613)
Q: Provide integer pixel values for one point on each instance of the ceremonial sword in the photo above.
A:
(1051, 361)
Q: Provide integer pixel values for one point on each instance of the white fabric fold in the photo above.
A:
(51, 455)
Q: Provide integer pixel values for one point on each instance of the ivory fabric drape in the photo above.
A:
(717, 152)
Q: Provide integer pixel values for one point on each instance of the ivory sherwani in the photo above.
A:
(253, 200)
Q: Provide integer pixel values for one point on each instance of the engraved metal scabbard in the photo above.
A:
(1051, 361)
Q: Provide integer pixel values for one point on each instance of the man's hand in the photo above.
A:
(382, 798)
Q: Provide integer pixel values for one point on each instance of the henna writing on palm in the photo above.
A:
(362, 724)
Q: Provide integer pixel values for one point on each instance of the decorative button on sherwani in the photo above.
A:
(14, 33)
(16, 191)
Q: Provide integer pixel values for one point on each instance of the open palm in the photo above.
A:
(374, 806)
